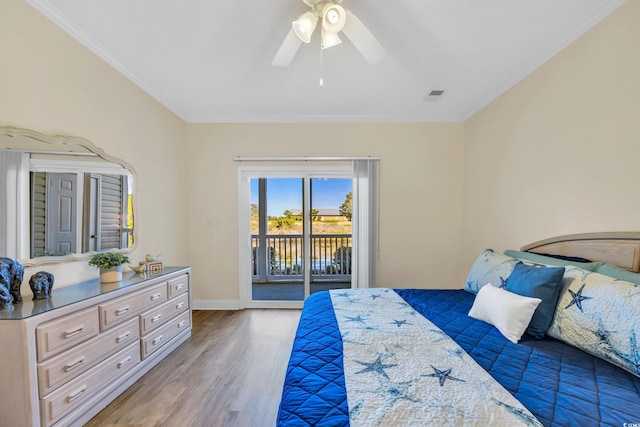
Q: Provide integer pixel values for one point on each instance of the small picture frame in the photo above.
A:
(154, 268)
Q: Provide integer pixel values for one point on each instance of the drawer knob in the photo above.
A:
(157, 340)
(155, 297)
(69, 334)
(155, 318)
(124, 362)
(73, 365)
(181, 324)
(122, 311)
(122, 338)
(179, 306)
(77, 394)
(179, 286)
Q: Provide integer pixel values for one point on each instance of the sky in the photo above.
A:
(286, 193)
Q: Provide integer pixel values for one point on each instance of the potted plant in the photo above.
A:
(110, 265)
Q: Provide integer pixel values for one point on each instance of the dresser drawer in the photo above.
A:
(126, 307)
(158, 316)
(162, 335)
(60, 334)
(64, 399)
(75, 361)
(178, 285)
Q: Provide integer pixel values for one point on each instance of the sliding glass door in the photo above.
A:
(330, 234)
(299, 226)
(277, 239)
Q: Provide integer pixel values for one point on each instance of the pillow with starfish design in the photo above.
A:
(600, 315)
(489, 267)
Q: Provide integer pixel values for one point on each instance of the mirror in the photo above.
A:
(64, 198)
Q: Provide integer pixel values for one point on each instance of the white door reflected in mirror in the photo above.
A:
(70, 198)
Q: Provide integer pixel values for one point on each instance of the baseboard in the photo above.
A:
(216, 305)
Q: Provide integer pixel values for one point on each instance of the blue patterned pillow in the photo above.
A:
(490, 267)
(599, 315)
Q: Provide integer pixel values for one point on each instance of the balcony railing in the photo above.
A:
(283, 257)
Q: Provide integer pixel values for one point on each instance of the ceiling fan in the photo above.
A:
(333, 20)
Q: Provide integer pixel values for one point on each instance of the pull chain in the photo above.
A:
(321, 68)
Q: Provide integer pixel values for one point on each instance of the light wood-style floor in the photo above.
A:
(230, 373)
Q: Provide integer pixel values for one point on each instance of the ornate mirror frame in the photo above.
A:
(26, 140)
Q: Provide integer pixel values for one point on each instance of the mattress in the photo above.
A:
(558, 383)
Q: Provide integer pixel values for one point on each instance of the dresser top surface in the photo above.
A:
(71, 294)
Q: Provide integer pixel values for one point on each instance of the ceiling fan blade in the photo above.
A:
(362, 39)
(287, 51)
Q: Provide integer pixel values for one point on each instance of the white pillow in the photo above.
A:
(509, 312)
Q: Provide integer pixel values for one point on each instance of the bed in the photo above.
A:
(545, 335)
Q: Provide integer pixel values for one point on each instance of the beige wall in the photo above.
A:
(420, 195)
(52, 84)
(556, 154)
(559, 153)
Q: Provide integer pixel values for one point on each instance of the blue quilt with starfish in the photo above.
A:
(399, 380)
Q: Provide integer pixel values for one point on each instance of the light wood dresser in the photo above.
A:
(65, 359)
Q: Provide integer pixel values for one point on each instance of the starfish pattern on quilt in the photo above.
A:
(377, 367)
(384, 367)
(357, 319)
(457, 352)
(394, 392)
(348, 297)
(577, 298)
(399, 323)
(442, 335)
(403, 304)
(399, 391)
(442, 375)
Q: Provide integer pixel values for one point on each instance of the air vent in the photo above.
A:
(434, 95)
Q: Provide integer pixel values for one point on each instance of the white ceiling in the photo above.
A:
(210, 60)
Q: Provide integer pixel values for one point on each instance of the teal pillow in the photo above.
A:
(619, 273)
(547, 260)
(538, 282)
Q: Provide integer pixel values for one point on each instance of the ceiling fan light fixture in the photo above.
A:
(333, 18)
(304, 26)
(329, 39)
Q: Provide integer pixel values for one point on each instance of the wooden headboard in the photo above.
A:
(619, 248)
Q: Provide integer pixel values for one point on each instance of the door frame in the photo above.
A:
(245, 174)
(92, 208)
